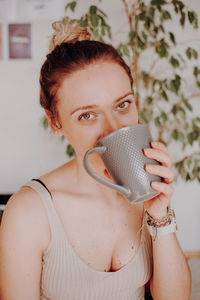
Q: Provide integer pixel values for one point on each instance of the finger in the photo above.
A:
(159, 145)
(161, 171)
(164, 188)
(159, 155)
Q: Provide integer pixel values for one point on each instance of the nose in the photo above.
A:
(110, 124)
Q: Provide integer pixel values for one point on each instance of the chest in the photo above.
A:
(105, 237)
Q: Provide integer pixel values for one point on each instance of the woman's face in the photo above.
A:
(93, 102)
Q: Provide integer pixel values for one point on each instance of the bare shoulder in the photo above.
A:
(25, 214)
(23, 234)
(62, 178)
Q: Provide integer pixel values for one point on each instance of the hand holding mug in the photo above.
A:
(123, 156)
(157, 206)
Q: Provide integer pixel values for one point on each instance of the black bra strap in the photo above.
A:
(42, 183)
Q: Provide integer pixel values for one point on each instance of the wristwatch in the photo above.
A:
(163, 226)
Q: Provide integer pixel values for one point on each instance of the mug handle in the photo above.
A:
(119, 188)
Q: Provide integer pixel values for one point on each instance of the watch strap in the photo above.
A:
(159, 227)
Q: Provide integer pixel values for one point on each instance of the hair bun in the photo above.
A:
(65, 32)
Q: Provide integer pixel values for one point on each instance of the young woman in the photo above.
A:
(65, 236)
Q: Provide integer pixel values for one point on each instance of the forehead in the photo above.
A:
(95, 84)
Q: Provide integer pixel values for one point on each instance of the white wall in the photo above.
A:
(27, 151)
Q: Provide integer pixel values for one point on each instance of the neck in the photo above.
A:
(85, 180)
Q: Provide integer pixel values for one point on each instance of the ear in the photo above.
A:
(53, 123)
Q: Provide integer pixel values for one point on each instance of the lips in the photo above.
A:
(102, 135)
(99, 138)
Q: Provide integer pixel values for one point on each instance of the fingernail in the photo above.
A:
(148, 167)
(153, 143)
(146, 150)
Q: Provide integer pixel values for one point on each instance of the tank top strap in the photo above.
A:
(46, 197)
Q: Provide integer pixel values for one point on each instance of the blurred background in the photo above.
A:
(27, 150)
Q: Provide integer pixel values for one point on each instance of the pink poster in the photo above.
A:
(1, 42)
(20, 41)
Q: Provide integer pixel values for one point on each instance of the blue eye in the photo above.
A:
(86, 116)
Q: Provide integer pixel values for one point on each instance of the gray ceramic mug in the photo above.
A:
(122, 154)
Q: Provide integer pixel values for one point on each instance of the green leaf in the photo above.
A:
(162, 51)
(174, 62)
(144, 35)
(195, 21)
(193, 136)
(132, 35)
(157, 2)
(172, 38)
(174, 109)
(142, 16)
(71, 5)
(175, 134)
(140, 43)
(196, 134)
(126, 50)
(182, 19)
(179, 166)
(164, 95)
(182, 110)
(175, 6)
(93, 10)
(188, 52)
(187, 104)
(194, 53)
(157, 121)
(62, 138)
(161, 28)
(84, 22)
(186, 125)
(148, 115)
(155, 29)
(175, 84)
(165, 15)
(103, 31)
(149, 100)
(70, 150)
(195, 71)
(181, 5)
(94, 20)
(45, 122)
(164, 117)
(142, 116)
(188, 177)
(148, 23)
(191, 16)
(151, 12)
(190, 138)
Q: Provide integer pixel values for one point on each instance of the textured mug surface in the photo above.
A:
(122, 153)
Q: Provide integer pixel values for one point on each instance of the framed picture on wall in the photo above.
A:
(19, 41)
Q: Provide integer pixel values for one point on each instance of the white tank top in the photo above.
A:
(65, 276)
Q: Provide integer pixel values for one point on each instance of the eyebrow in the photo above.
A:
(95, 106)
